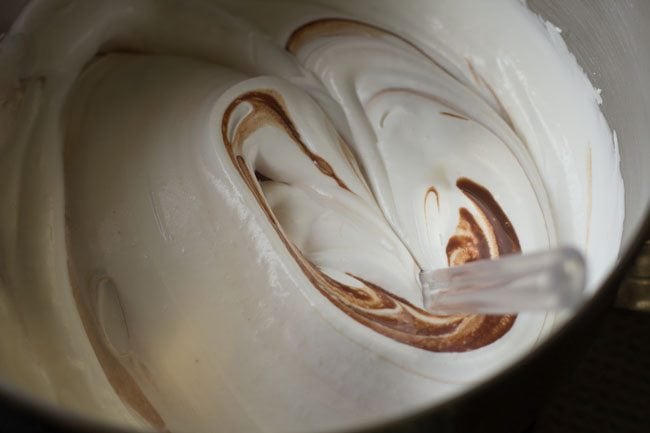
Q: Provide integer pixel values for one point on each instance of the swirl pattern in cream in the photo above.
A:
(213, 215)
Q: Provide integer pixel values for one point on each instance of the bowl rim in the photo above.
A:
(39, 411)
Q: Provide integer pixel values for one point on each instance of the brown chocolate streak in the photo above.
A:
(261, 177)
(267, 109)
(469, 243)
(454, 115)
(434, 191)
(369, 303)
(504, 233)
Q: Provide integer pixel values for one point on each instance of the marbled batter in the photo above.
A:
(218, 210)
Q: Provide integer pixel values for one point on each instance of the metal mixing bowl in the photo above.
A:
(611, 41)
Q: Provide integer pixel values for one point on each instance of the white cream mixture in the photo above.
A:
(212, 214)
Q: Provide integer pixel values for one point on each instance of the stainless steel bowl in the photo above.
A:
(611, 40)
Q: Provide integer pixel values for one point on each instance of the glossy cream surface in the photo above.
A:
(213, 214)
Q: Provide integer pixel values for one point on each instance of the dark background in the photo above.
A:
(609, 391)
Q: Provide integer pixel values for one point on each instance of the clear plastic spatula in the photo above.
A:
(546, 280)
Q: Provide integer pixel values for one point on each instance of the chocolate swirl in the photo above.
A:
(176, 267)
(470, 242)
(373, 306)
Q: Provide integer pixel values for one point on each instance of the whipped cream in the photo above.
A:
(213, 214)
